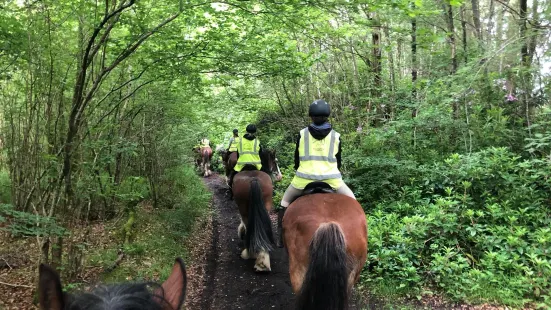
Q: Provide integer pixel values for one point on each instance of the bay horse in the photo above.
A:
(252, 192)
(168, 296)
(230, 160)
(325, 235)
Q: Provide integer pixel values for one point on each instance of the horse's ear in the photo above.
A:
(50, 294)
(174, 288)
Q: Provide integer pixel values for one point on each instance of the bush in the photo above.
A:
(28, 224)
(476, 226)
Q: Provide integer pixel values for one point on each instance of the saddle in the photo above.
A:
(249, 167)
(317, 188)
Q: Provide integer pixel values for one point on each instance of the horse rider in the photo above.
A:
(234, 141)
(317, 158)
(248, 151)
(205, 143)
(202, 143)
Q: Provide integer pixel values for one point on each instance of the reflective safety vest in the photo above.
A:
(234, 142)
(205, 143)
(248, 154)
(317, 160)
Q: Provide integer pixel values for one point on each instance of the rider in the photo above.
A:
(234, 141)
(205, 143)
(202, 143)
(317, 158)
(248, 150)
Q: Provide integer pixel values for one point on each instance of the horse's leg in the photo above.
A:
(262, 262)
(242, 230)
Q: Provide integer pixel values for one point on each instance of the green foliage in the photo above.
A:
(133, 189)
(476, 226)
(28, 224)
(159, 235)
(5, 187)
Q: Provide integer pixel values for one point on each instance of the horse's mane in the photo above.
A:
(119, 296)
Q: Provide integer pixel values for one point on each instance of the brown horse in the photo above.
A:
(206, 155)
(168, 296)
(230, 160)
(326, 239)
(252, 192)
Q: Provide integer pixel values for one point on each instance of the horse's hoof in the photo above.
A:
(261, 269)
(245, 254)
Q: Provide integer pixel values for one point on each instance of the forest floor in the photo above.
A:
(217, 276)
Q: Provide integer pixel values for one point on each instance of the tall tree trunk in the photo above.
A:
(476, 21)
(491, 20)
(453, 48)
(392, 74)
(376, 64)
(414, 62)
(464, 33)
(523, 30)
(528, 48)
(451, 37)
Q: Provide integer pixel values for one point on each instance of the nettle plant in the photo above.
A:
(476, 226)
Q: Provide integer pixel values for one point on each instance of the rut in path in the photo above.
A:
(231, 282)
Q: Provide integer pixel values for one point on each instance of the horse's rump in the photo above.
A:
(241, 188)
(310, 228)
(206, 152)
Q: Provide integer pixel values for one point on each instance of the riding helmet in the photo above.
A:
(319, 108)
(235, 130)
(251, 128)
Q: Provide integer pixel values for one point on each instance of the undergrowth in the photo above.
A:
(159, 234)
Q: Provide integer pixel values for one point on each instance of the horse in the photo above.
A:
(205, 153)
(168, 296)
(252, 192)
(325, 235)
(229, 160)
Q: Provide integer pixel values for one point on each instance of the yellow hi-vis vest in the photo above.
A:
(234, 141)
(317, 160)
(248, 154)
(205, 143)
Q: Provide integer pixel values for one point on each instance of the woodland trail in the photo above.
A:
(231, 281)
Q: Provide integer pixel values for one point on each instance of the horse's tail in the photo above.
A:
(259, 236)
(325, 284)
(205, 155)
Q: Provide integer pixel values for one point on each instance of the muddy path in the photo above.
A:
(230, 282)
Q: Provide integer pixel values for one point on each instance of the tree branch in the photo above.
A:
(16, 285)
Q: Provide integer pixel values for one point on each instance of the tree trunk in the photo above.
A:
(453, 49)
(476, 21)
(376, 65)
(414, 62)
(464, 34)
(523, 30)
(451, 37)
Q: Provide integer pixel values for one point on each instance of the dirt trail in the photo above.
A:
(231, 281)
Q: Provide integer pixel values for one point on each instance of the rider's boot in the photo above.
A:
(280, 214)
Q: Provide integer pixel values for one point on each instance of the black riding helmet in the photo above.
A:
(251, 128)
(319, 108)
(235, 131)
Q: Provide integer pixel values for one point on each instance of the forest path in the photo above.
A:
(231, 282)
